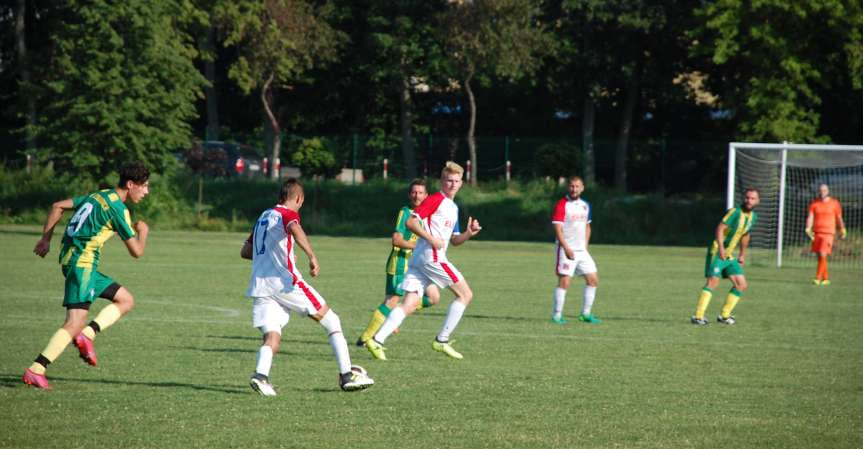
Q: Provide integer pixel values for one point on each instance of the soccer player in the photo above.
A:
(404, 242)
(571, 220)
(435, 221)
(97, 217)
(278, 288)
(732, 231)
(825, 214)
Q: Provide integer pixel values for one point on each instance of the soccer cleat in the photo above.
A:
(446, 348)
(262, 385)
(360, 343)
(816, 281)
(729, 321)
(699, 321)
(376, 349)
(559, 320)
(825, 282)
(589, 318)
(351, 381)
(36, 380)
(85, 349)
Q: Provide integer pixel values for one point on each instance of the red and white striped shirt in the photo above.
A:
(274, 269)
(439, 216)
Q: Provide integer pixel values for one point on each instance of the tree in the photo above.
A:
(279, 42)
(503, 38)
(121, 85)
(772, 62)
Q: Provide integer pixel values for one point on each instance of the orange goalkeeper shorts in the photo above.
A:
(823, 243)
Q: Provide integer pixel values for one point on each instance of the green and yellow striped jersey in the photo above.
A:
(399, 257)
(738, 224)
(97, 216)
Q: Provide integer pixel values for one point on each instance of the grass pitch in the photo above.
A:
(173, 373)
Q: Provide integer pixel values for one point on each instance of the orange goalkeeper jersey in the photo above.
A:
(825, 214)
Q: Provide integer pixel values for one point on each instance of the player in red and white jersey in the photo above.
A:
(278, 289)
(435, 221)
(571, 220)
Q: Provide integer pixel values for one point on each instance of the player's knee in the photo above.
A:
(273, 340)
(124, 300)
(331, 322)
(466, 296)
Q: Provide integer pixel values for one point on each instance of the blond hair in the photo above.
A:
(451, 168)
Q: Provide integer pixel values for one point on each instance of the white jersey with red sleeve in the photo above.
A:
(439, 216)
(274, 268)
(574, 215)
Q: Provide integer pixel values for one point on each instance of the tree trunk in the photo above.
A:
(471, 139)
(406, 118)
(587, 127)
(620, 153)
(267, 99)
(211, 91)
(24, 69)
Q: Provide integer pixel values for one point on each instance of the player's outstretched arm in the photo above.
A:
(137, 244)
(303, 241)
(43, 246)
(473, 229)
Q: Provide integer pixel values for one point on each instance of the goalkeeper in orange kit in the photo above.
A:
(825, 216)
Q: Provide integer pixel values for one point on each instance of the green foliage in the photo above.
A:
(559, 159)
(174, 373)
(313, 158)
(121, 86)
(773, 62)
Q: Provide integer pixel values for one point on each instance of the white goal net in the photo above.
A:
(788, 176)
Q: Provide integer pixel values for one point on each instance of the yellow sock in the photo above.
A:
(703, 302)
(375, 323)
(89, 332)
(730, 302)
(56, 345)
(106, 317)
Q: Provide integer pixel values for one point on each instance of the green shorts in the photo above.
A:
(714, 267)
(83, 286)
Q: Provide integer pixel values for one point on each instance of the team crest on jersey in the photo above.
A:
(447, 223)
(566, 266)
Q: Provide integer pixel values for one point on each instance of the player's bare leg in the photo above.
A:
(121, 303)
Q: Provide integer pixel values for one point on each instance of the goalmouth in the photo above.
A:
(787, 176)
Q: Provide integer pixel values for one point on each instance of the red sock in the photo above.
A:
(821, 274)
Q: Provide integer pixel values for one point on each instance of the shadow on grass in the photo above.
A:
(10, 381)
(286, 339)
(283, 351)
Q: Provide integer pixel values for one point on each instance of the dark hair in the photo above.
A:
(752, 189)
(417, 182)
(290, 189)
(133, 171)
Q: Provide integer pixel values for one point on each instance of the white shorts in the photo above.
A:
(582, 264)
(419, 276)
(272, 313)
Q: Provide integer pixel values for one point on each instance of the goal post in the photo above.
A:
(788, 176)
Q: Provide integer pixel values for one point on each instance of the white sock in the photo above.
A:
(589, 295)
(333, 325)
(394, 320)
(559, 298)
(453, 315)
(264, 361)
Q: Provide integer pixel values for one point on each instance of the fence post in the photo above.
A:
(467, 170)
(386, 164)
(506, 157)
(354, 163)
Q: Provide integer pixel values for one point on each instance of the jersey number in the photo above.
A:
(78, 219)
(261, 237)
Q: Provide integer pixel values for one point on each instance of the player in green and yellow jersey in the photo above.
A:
(97, 217)
(397, 264)
(732, 231)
